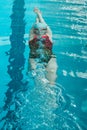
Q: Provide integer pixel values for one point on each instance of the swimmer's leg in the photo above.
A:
(52, 70)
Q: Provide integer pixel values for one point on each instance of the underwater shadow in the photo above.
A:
(15, 67)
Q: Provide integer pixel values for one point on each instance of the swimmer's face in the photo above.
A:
(40, 31)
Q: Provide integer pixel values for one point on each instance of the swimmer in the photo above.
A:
(40, 44)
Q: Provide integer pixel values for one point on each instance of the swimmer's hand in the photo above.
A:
(36, 10)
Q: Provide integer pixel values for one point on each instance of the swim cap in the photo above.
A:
(40, 29)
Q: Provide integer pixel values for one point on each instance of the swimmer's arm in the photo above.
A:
(49, 32)
(31, 35)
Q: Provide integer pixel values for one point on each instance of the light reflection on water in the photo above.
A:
(35, 105)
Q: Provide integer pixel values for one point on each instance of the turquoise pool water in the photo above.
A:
(26, 102)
